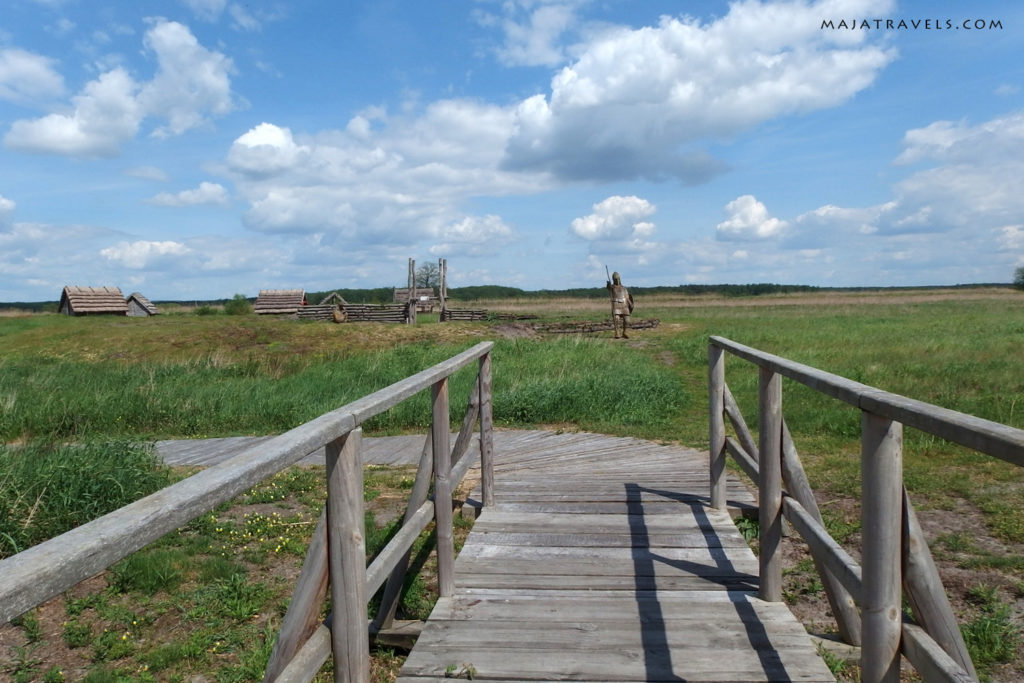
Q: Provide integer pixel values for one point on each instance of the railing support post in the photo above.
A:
(486, 432)
(882, 526)
(346, 548)
(716, 429)
(440, 430)
(770, 468)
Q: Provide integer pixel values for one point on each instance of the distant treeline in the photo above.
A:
(384, 295)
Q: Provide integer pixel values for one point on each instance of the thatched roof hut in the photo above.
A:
(93, 301)
(139, 306)
(279, 301)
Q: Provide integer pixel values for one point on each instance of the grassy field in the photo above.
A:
(96, 380)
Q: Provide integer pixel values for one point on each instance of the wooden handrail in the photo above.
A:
(893, 548)
(45, 570)
(985, 436)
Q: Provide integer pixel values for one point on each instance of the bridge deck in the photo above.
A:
(602, 562)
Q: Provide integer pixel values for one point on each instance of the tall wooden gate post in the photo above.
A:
(882, 527)
(440, 430)
(486, 432)
(716, 402)
(346, 551)
(770, 486)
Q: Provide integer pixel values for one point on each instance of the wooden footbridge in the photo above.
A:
(593, 558)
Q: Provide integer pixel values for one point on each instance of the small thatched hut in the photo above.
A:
(139, 306)
(93, 301)
(279, 301)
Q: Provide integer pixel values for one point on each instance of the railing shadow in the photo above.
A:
(739, 585)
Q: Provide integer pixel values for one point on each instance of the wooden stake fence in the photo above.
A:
(895, 553)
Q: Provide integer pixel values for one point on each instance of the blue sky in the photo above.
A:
(201, 148)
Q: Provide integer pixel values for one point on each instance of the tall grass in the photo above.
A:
(535, 382)
(46, 490)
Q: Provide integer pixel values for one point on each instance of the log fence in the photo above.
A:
(866, 600)
(336, 558)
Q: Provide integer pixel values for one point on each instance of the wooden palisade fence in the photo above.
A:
(336, 558)
(894, 552)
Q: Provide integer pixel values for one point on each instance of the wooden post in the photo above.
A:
(716, 415)
(486, 432)
(411, 302)
(927, 595)
(303, 615)
(770, 485)
(346, 547)
(442, 282)
(440, 431)
(881, 529)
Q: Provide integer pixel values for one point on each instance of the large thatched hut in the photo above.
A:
(93, 301)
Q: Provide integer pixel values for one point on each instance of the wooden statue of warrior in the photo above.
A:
(622, 306)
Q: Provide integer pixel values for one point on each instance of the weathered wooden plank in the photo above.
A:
(582, 563)
(669, 582)
(694, 539)
(650, 663)
(592, 636)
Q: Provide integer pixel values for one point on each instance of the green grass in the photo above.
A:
(105, 383)
(48, 489)
(992, 637)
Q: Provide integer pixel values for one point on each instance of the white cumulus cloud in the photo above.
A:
(748, 218)
(27, 78)
(475, 236)
(6, 208)
(265, 150)
(191, 84)
(616, 218)
(143, 253)
(209, 194)
(533, 31)
(638, 102)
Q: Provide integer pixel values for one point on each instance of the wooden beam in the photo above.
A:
(303, 615)
(840, 599)
(930, 660)
(986, 436)
(927, 595)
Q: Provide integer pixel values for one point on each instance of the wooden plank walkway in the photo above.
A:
(600, 562)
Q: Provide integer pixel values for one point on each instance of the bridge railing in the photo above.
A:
(866, 600)
(337, 554)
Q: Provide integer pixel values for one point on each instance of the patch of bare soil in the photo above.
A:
(515, 331)
(956, 563)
